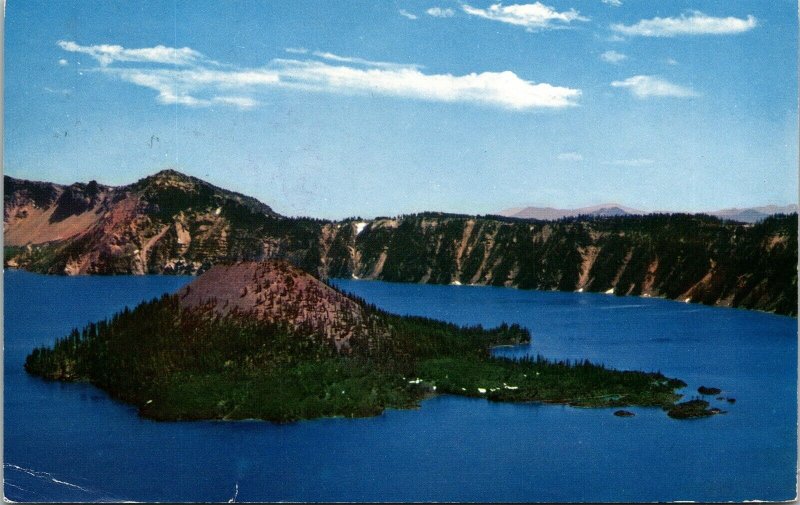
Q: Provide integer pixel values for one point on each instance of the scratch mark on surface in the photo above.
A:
(44, 475)
(68, 484)
(6, 483)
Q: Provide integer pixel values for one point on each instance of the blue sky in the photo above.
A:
(333, 109)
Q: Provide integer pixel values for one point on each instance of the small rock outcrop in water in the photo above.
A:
(708, 391)
(624, 413)
(691, 409)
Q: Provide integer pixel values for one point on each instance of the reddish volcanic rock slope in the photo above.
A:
(277, 292)
(168, 222)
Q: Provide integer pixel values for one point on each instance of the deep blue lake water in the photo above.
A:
(70, 442)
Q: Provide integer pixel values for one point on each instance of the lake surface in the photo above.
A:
(70, 442)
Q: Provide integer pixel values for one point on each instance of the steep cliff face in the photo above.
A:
(172, 223)
(37, 212)
(689, 258)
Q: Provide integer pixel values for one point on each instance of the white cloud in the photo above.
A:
(672, 61)
(692, 23)
(179, 86)
(613, 57)
(107, 54)
(500, 89)
(570, 156)
(535, 16)
(613, 3)
(63, 62)
(407, 14)
(644, 86)
(205, 83)
(636, 162)
(242, 102)
(360, 61)
(439, 12)
(296, 50)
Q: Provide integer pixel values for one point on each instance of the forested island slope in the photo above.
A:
(173, 223)
(266, 340)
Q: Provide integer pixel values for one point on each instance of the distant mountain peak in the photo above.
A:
(610, 211)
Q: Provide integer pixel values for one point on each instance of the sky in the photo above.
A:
(379, 108)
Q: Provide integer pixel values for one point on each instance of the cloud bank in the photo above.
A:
(693, 23)
(532, 17)
(186, 77)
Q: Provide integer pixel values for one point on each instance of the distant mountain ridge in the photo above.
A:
(171, 223)
(754, 214)
(742, 215)
(551, 213)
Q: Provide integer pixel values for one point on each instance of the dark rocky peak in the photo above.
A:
(167, 179)
(75, 199)
(170, 191)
